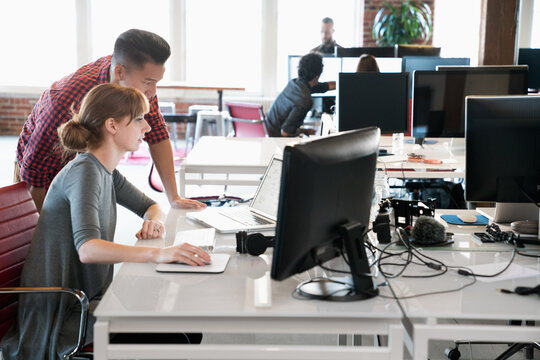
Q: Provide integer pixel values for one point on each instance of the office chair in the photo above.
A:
(247, 119)
(18, 219)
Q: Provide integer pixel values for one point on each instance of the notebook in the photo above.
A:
(261, 213)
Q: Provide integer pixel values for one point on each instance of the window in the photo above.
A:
(223, 43)
(457, 40)
(38, 41)
(535, 31)
(111, 18)
(299, 26)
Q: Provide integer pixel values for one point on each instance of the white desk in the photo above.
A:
(451, 151)
(465, 315)
(245, 300)
(221, 155)
(242, 300)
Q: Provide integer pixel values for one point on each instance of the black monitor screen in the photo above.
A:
(531, 57)
(503, 149)
(373, 99)
(412, 63)
(326, 184)
(439, 97)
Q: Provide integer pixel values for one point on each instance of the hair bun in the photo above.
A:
(74, 136)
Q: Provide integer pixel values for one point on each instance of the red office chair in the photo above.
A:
(247, 119)
(18, 219)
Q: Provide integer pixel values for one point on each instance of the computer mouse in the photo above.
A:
(467, 218)
(525, 227)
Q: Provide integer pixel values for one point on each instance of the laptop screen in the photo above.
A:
(267, 197)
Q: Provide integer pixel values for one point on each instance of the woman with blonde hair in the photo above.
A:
(73, 242)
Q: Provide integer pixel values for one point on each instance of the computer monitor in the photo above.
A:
(373, 99)
(481, 67)
(331, 68)
(412, 63)
(323, 212)
(377, 51)
(439, 97)
(417, 50)
(503, 150)
(531, 57)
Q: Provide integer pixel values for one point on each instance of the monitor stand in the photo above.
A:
(508, 212)
(420, 141)
(356, 287)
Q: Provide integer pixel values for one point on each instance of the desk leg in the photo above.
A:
(101, 339)
(182, 181)
(395, 342)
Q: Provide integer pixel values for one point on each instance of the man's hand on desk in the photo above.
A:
(151, 229)
(179, 203)
(331, 85)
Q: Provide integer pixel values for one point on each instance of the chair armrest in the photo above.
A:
(246, 120)
(81, 297)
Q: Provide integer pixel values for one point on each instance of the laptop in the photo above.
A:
(261, 213)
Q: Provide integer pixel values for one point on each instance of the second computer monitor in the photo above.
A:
(373, 99)
(410, 64)
(531, 57)
(439, 97)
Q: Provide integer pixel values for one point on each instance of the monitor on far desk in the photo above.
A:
(531, 57)
(438, 100)
(324, 207)
(502, 154)
(373, 99)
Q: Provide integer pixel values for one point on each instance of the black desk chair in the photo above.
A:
(173, 119)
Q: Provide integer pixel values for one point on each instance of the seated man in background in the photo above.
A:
(288, 111)
(328, 44)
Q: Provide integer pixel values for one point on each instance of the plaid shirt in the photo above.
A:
(39, 152)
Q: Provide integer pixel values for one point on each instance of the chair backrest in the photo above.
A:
(18, 219)
(154, 180)
(247, 119)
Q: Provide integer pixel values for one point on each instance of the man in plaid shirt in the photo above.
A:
(137, 61)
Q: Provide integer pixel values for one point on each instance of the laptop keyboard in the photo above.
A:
(246, 217)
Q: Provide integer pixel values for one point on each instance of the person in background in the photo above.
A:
(138, 61)
(73, 244)
(327, 33)
(367, 63)
(291, 106)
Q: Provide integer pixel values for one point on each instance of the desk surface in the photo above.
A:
(245, 289)
(181, 85)
(245, 299)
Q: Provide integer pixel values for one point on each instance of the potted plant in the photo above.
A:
(410, 22)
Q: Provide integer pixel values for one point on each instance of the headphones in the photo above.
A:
(254, 244)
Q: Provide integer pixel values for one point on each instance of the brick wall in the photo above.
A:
(13, 113)
(370, 10)
(15, 110)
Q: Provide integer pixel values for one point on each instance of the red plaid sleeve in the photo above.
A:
(42, 156)
(39, 153)
(154, 118)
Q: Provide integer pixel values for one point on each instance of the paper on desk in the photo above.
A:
(199, 237)
(515, 271)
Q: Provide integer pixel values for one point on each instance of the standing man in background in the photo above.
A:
(137, 61)
(328, 43)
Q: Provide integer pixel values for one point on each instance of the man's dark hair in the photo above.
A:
(137, 47)
(310, 66)
(328, 20)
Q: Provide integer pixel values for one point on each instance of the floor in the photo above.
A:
(138, 175)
